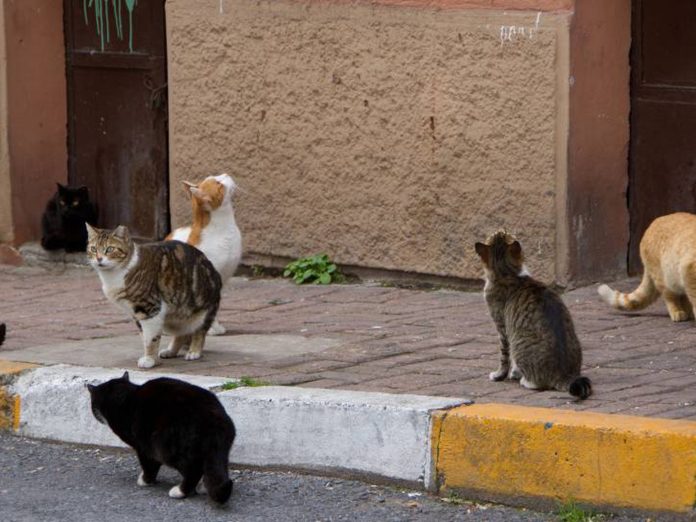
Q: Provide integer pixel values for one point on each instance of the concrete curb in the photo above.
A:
(352, 433)
(520, 455)
(503, 452)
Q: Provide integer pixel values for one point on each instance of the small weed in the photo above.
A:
(248, 382)
(316, 269)
(571, 512)
(258, 271)
(454, 499)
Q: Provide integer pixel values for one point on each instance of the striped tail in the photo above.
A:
(580, 387)
(641, 297)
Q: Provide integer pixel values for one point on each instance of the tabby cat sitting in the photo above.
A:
(538, 344)
(167, 287)
(168, 421)
(668, 253)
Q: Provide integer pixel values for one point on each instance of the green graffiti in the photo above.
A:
(102, 19)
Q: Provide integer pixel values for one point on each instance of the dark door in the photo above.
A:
(117, 107)
(663, 114)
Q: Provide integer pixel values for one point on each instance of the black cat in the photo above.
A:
(2, 333)
(63, 221)
(168, 421)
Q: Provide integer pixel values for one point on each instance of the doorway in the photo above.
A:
(662, 175)
(117, 110)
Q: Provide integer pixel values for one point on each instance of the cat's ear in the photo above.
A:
(125, 376)
(83, 191)
(90, 387)
(91, 231)
(515, 249)
(483, 251)
(188, 187)
(121, 232)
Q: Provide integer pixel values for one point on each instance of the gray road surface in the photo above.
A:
(44, 481)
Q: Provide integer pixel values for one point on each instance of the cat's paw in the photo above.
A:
(515, 374)
(176, 492)
(200, 488)
(498, 375)
(528, 384)
(167, 354)
(192, 356)
(146, 362)
(142, 481)
(216, 328)
(678, 316)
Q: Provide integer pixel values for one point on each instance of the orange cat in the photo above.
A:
(668, 252)
(214, 230)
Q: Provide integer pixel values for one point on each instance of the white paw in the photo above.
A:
(146, 362)
(497, 375)
(167, 354)
(176, 492)
(216, 328)
(192, 356)
(528, 384)
(515, 374)
(141, 480)
(200, 488)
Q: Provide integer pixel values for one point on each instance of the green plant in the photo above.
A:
(454, 499)
(249, 382)
(316, 269)
(571, 512)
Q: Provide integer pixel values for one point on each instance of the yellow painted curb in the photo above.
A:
(504, 451)
(10, 404)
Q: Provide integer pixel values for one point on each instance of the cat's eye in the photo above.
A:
(93, 249)
(62, 203)
(75, 203)
(109, 250)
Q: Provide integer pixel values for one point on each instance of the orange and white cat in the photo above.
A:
(214, 230)
(668, 252)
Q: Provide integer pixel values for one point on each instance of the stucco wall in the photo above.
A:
(388, 137)
(36, 108)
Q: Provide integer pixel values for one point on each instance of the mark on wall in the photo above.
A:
(509, 33)
(102, 18)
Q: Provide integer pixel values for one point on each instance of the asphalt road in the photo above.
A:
(45, 481)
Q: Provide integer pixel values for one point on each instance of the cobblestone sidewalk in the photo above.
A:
(392, 340)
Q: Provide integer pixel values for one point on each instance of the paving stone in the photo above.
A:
(393, 340)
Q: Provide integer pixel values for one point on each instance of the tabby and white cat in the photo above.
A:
(167, 287)
(668, 253)
(169, 421)
(538, 344)
(214, 230)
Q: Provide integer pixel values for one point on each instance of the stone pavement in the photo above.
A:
(364, 337)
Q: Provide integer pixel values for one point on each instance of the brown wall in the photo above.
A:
(36, 108)
(6, 227)
(387, 137)
(598, 139)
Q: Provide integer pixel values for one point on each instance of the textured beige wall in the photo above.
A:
(387, 137)
(6, 234)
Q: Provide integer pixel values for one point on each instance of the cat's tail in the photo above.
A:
(641, 297)
(217, 479)
(580, 387)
